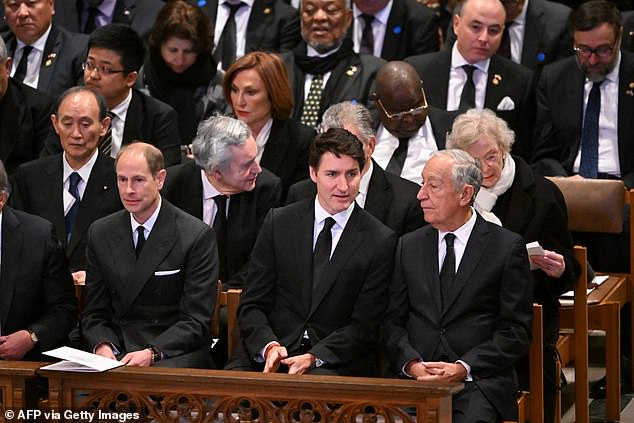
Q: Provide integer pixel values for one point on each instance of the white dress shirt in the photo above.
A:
(210, 208)
(516, 34)
(118, 124)
(379, 26)
(242, 20)
(341, 220)
(147, 225)
(84, 173)
(458, 77)
(34, 61)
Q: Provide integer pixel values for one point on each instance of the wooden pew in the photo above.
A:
(163, 394)
(13, 383)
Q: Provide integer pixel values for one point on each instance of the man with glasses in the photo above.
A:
(115, 55)
(410, 129)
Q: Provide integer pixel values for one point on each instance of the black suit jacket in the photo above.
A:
(184, 188)
(391, 199)
(37, 288)
(342, 317)
(25, 119)
(351, 79)
(505, 79)
(63, 55)
(286, 152)
(164, 298)
(412, 29)
(138, 14)
(38, 189)
(627, 42)
(148, 120)
(273, 25)
(486, 320)
(560, 118)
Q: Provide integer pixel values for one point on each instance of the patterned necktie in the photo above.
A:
(589, 166)
(467, 98)
(20, 72)
(220, 228)
(321, 255)
(448, 270)
(505, 46)
(73, 189)
(310, 111)
(227, 42)
(105, 145)
(367, 37)
(140, 241)
(397, 160)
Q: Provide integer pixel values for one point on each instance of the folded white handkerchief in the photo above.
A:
(166, 272)
(506, 104)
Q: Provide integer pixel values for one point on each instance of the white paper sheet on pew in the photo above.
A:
(534, 249)
(570, 295)
(75, 360)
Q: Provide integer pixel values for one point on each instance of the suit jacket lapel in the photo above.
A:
(51, 50)
(124, 12)
(495, 92)
(574, 114)
(121, 247)
(296, 78)
(380, 195)
(303, 242)
(258, 21)
(11, 252)
(13, 122)
(342, 78)
(625, 108)
(276, 147)
(55, 193)
(438, 90)
(133, 128)
(393, 36)
(534, 25)
(430, 261)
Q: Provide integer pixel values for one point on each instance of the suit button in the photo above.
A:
(442, 331)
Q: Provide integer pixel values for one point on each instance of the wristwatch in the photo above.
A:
(156, 353)
(34, 338)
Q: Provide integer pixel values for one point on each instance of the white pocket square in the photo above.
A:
(166, 272)
(506, 104)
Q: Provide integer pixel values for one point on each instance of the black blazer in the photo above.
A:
(149, 120)
(486, 318)
(412, 29)
(342, 317)
(505, 79)
(391, 199)
(273, 25)
(25, 121)
(37, 288)
(184, 188)
(560, 118)
(63, 55)
(164, 298)
(38, 189)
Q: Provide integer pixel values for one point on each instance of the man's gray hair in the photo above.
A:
(4, 179)
(466, 170)
(348, 113)
(215, 136)
(4, 54)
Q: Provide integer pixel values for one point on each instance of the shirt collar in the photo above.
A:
(458, 61)
(121, 109)
(247, 2)
(209, 191)
(149, 224)
(464, 232)
(365, 180)
(311, 52)
(39, 44)
(521, 18)
(341, 218)
(381, 16)
(83, 171)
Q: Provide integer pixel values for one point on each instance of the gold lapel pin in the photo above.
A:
(496, 79)
(630, 93)
(267, 10)
(49, 59)
(631, 85)
(351, 70)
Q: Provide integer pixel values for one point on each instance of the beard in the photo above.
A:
(600, 71)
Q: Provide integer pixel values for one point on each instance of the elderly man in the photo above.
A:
(470, 74)
(317, 282)
(460, 298)
(45, 55)
(150, 278)
(74, 188)
(410, 130)
(324, 69)
(37, 307)
(388, 197)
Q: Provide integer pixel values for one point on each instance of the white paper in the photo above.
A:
(598, 280)
(534, 249)
(79, 361)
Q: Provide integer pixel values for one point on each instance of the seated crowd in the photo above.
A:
(370, 185)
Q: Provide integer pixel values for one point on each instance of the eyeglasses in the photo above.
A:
(402, 115)
(102, 70)
(602, 52)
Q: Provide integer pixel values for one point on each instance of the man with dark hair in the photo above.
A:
(461, 295)
(151, 273)
(74, 188)
(115, 55)
(37, 307)
(317, 282)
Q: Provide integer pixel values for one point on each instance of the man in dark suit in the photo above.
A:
(45, 56)
(151, 273)
(137, 14)
(317, 282)
(37, 306)
(324, 69)
(397, 29)
(115, 55)
(46, 187)
(409, 129)
(460, 298)
(386, 196)
(225, 166)
(470, 74)
(24, 117)
(264, 25)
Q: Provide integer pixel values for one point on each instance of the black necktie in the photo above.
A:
(20, 72)
(73, 189)
(91, 21)
(367, 37)
(448, 270)
(589, 167)
(310, 110)
(321, 255)
(505, 46)
(467, 98)
(397, 161)
(227, 42)
(220, 227)
(140, 241)
(105, 145)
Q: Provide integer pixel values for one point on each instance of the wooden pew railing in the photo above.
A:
(13, 380)
(162, 394)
